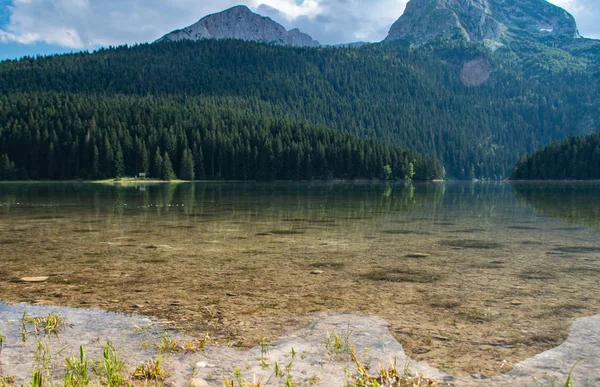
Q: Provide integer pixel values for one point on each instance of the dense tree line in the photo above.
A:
(576, 158)
(412, 98)
(67, 136)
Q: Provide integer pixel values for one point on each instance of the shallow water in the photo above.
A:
(303, 355)
(472, 278)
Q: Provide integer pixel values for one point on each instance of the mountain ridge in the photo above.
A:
(486, 21)
(241, 23)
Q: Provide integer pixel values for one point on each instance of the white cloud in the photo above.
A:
(91, 23)
(80, 24)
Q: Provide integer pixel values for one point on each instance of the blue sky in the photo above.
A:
(39, 27)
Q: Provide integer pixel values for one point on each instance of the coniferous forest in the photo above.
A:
(576, 158)
(242, 110)
(67, 136)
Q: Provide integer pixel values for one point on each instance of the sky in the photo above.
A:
(39, 27)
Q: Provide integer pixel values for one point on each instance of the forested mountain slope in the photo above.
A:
(423, 99)
(576, 158)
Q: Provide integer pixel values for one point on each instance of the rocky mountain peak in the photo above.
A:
(241, 23)
(481, 20)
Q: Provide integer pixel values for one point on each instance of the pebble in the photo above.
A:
(317, 272)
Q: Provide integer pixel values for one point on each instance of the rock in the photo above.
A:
(34, 279)
(231, 294)
(241, 23)
(417, 255)
(203, 364)
(486, 21)
(516, 303)
(317, 272)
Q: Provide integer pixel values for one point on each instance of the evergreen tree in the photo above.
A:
(187, 166)
(167, 172)
(158, 165)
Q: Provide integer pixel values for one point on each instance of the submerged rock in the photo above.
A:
(34, 279)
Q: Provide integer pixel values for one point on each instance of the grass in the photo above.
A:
(238, 381)
(37, 379)
(76, 370)
(389, 377)
(7, 381)
(109, 367)
(152, 370)
(2, 340)
(403, 275)
(51, 324)
(171, 345)
(338, 344)
(133, 180)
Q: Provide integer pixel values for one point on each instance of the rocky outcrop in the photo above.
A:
(481, 20)
(241, 23)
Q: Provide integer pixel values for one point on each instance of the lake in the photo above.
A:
(472, 278)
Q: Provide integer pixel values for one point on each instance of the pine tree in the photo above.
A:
(158, 165)
(186, 171)
(167, 173)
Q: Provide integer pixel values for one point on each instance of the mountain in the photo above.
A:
(241, 23)
(413, 98)
(486, 21)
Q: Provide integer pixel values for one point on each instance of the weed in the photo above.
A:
(264, 343)
(241, 382)
(153, 370)
(50, 324)
(36, 379)
(2, 340)
(171, 345)
(389, 376)
(168, 344)
(569, 382)
(109, 367)
(7, 381)
(42, 355)
(76, 374)
(339, 344)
